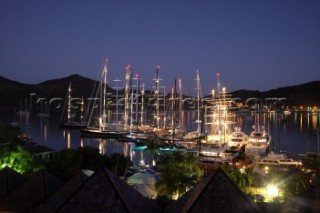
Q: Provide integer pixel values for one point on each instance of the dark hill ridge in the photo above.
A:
(13, 92)
(81, 86)
(307, 94)
(303, 94)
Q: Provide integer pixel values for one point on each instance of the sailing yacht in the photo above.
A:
(198, 134)
(14, 122)
(67, 121)
(134, 115)
(44, 110)
(173, 130)
(24, 114)
(191, 139)
(100, 127)
(217, 121)
(156, 104)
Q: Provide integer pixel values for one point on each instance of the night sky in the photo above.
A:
(254, 44)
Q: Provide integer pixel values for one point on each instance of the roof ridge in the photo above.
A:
(117, 193)
(196, 193)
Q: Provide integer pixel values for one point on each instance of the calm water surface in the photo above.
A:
(295, 132)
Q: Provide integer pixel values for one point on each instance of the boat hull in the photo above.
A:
(72, 126)
(103, 133)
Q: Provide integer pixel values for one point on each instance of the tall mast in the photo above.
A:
(180, 103)
(219, 102)
(157, 97)
(164, 107)
(69, 104)
(81, 110)
(104, 94)
(142, 106)
(198, 121)
(173, 109)
(136, 98)
(131, 111)
(173, 104)
(127, 93)
(117, 99)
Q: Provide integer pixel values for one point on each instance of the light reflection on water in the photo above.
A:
(295, 132)
(315, 120)
(297, 135)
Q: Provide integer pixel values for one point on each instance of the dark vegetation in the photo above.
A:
(66, 163)
(69, 162)
(179, 172)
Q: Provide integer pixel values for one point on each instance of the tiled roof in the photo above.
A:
(61, 196)
(216, 193)
(30, 193)
(9, 181)
(104, 192)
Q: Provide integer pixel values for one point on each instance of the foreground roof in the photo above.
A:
(62, 195)
(36, 189)
(216, 193)
(105, 192)
(9, 181)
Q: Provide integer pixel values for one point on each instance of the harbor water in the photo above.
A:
(294, 132)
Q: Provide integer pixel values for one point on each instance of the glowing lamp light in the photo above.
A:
(218, 74)
(158, 67)
(137, 75)
(272, 190)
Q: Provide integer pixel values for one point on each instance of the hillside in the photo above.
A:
(305, 94)
(14, 94)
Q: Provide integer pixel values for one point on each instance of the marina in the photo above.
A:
(296, 134)
(160, 106)
(212, 131)
(214, 127)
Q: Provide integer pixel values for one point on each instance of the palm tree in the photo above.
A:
(295, 182)
(236, 176)
(179, 173)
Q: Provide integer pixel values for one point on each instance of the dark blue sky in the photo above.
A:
(254, 44)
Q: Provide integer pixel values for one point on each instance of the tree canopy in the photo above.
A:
(68, 162)
(18, 159)
(179, 173)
